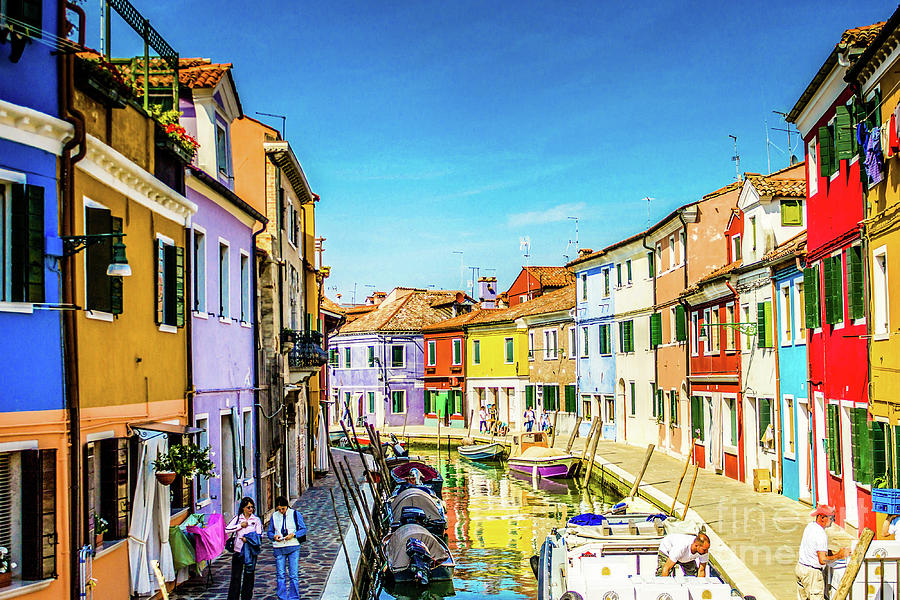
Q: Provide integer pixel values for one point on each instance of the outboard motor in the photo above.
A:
(419, 560)
(397, 447)
(412, 515)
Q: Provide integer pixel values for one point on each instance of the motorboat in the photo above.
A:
(532, 454)
(615, 556)
(428, 475)
(416, 505)
(484, 452)
(414, 555)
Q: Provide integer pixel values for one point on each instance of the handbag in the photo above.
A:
(229, 543)
(300, 526)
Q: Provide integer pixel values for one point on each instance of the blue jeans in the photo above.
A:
(529, 425)
(288, 588)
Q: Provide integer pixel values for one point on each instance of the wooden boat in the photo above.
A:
(415, 505)
(416, 556)
(483, 452)
(532, 452)
(429, 475)
(616, 557)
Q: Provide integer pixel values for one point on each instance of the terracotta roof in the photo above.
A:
(860, 37)
(714, 275)
(884, 41)
(456, 322)
(771, 186)
(331, 306)
(561, 299)
(551, 276)
(193, 73)
(724, 189)
(410, 310)
(794, 246)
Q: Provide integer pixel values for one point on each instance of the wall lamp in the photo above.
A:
(119, 267)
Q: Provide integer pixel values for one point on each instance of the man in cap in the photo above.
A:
(814, 555)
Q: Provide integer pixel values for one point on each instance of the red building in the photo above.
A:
(834, 285)
(445, 371)
(536, 281)
(715, 371)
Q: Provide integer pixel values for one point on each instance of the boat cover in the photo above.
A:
(539, 452)
(418, 499)
(428, 473)
(396, 546)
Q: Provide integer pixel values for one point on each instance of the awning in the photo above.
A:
(147, 429)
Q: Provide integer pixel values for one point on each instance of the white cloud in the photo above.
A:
(554, 214)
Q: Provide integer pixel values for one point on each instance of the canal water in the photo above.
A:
(496, 520)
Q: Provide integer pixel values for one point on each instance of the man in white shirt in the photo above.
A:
(814, 555)
(690, 552)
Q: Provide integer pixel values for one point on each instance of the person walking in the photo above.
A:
(528, 417)
(286, 530)
(813, 555)
(690, 552)
(482, 423)
(243, 572)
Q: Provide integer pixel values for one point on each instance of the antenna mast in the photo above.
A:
(737, 159)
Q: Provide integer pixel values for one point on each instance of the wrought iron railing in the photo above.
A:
(307, 351)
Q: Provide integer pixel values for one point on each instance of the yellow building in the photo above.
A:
(876, 75)
(497, 364)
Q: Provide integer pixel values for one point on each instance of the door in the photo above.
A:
(751, 437)
(847, 469)
(227, 466)
(804, 458)
(820, 436)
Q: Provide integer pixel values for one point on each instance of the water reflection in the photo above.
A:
(496, 519)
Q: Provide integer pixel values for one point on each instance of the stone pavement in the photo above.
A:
(317, 554)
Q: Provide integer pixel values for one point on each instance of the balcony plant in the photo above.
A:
(101, 80)
(288, 337)
(186, 460)
(172, 134)
(6, 567)
(101, 526)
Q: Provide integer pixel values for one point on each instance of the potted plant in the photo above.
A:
(101, 526)
(288, 337)
(6, 567)
(172, 135)
(165, 473)
(186, 460)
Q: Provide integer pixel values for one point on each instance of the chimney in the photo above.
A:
(582, 252)
(502, 301)
(487, 291)
(378, 298)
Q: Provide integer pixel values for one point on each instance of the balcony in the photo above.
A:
(306, 356)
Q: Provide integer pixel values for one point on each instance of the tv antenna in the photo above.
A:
(283, 121)
(790, 148)
(737, 159)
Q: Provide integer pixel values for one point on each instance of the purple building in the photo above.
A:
(376, 361)
(222, 323)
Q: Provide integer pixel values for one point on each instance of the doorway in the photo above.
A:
(850, 506)
(227, 465)
(804, 457)
(820, 435)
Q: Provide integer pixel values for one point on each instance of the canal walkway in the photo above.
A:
(319, 555)
(755, 536)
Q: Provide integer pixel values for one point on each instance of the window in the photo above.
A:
(833, 288)
(245, 287)
(753, 232)
(766, 422)
(202, 423)
(713, 331)
(672, 259)
(730, 332)
(347, 357)
(586, 407)
(812, 168)
(791, 212)
(457, 351)
(398, 401)
(658, 260)
(371, 397)
(673, 408)
(431, 353)
(748, 339)
(619, 275)
(103, 293)
(551, 397)
(585, 341)
(28, 511)
(572, 343)
(107, 485)
(855, 285)
(605, 340)
(655, 329)
(605, 283)
(370, 356)
(788, 425)
(697, 429)
(786, 321)
(222, 149)
(584, 286)
(811, 297)
(834, 439)
(397, 361)
(680, 324)
(531, 345)
(294, 297)
(628, 271)
(22, 17)
(476, 352)
(736, 253)
(799, 312)
(682, 246)
(880, 313)
(169, 283)
(765, 334)
(523, 298)
(570, 401)
(224, 277)
(626, 336)
(550, 343)
(631, 389)
(529, 396)
(199, 271)
(729, 422)
(695, 326)
(248, 444)
(333, 357)
(651, 268)
(654, 401)
(508, 347)
(707, 331)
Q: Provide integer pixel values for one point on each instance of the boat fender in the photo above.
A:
(535, 561)
(570, 595)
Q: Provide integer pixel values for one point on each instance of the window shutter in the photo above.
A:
(114, 500)
(652, 266)
(855, 444)
(660, 405)
(811, 296)
(529, 396)
(628, 270)
(826, 152)
(619, 274)
(28, 12)
(655, 329)
(98, 257)
(570, 399)
(629, 329)
(837, 288)
(873, 110)
(680, 324)
(770, 325)
(761, 328)
(39, 514)
(32, 246)
(828, 289)
(791, 212)
(879, 454)
(160, 281)
(673, 407)
(765, 416)
(116, 284)
(179, 286)
(843, 133)
(855, 288)
(697, 417)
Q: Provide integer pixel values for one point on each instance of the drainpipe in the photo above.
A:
(188, 334)
(66, 65)
(256, 350)
(655, 353)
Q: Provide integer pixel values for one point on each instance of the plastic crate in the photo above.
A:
(886, 501)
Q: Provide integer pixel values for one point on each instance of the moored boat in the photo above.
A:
(429, 475)
(416, 556)
(415, 505)
(483, 452)
(533, 453)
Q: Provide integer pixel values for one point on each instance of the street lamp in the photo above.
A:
(119, 267)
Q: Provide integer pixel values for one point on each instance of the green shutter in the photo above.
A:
(834, 439)
(765, 417)
(855, 287)
(879, 450)
(697, 417)
(660, 405)
(509, 350)
(811, 296)
(655, 329)
(550, 395)
(116, 284)
(628, 270)
(371, 402)
(570, 399)
(734, 428)
(619, 274)
(770, 325)
(650, 263)
(873, 110)
(761, 328)
(828, 289)
(826, 152)
(529, 396)
(673, 407)
(629, 336)
(160, 281)
(837, 288)
(680, 323)
(179, 286)
(843, 133)
(476, 352)
(791, 212)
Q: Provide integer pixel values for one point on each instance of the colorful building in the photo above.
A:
(34, 457)
(534, 281)
(834, 278)
(445, 373)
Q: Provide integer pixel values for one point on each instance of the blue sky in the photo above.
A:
(433, 128)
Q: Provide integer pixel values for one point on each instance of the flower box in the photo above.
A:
(5, 579)
(175, 148)
(886, 500)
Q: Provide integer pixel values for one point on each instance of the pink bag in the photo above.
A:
(209, 541)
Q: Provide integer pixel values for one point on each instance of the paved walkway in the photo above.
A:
(762, 530)
(317, 554)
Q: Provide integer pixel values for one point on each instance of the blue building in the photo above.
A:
(33, 434)
(594, 323)
(798, 480)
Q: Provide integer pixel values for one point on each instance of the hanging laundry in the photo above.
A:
(893, 137)
(883, 141)
(870, 140)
